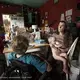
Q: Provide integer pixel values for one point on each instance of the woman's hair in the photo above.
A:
(22, 42)
(68, 36)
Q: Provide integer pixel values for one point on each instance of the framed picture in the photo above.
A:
(55, 1)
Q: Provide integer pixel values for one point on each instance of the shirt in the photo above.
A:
(30, 59)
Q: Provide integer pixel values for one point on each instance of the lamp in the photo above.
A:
(34, 27)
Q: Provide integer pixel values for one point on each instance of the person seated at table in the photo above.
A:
(19, 46)
(60, 44)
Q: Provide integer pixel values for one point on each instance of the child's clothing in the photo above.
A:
(40, 65)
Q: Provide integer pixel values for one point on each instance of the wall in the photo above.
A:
(55, 10)
(13, 9)
(78, 11)
(8, 9)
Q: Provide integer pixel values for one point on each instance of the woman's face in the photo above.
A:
(61, 27)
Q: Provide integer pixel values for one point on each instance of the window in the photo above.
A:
(56, 1)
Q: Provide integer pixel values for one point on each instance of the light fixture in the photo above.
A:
(34, 27)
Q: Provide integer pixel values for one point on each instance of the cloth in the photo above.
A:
(30, 59)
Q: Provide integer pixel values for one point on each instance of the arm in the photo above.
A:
(64, 50)
(40, 65)
(10, 56)
(6, 50)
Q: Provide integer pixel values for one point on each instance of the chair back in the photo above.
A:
(72, 48)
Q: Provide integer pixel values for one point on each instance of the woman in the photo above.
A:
(60, 44)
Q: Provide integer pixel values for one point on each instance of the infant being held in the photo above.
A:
(56, 43)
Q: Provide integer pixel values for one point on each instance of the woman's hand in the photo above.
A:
(64, 50)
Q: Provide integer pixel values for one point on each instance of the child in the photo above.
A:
(20, 45)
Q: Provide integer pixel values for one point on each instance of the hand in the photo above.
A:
(64, 50)
(49, 67)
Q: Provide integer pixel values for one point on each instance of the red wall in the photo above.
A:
(78, 11)
(8, 9)
(55, 10)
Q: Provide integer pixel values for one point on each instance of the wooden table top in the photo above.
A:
(34, 48)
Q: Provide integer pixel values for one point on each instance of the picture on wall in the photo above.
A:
(55, 1)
